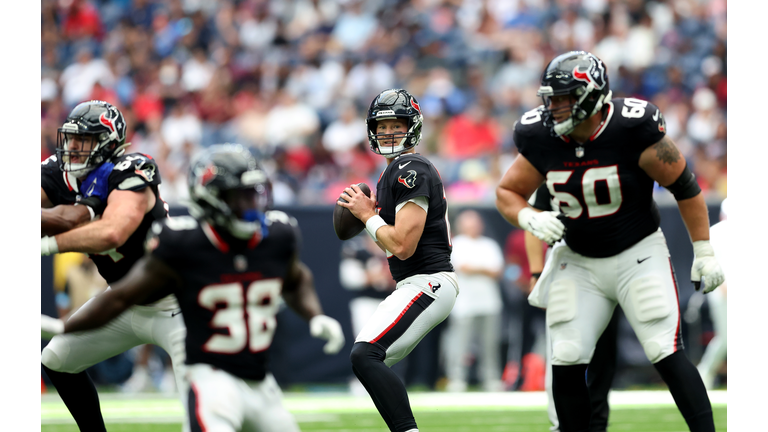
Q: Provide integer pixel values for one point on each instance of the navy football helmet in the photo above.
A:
(582, 76)
(229, 189)
(391, 104)
(93, 133)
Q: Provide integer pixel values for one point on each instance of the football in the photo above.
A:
(345, 223)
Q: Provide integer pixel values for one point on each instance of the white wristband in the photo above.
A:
(374, 224)
(48, 246)
(702, 248)
(90, 210)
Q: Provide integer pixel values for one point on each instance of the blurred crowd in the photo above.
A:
(293, 79)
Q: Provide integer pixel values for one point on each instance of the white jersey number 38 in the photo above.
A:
(248, 314)
(571, 206)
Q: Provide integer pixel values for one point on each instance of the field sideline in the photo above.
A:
(312, 408)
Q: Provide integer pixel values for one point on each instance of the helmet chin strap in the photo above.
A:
(567, 126)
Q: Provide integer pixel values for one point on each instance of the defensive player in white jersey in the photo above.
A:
(599, 158)
(714, 355)
(229, 265)
(409, 222)
(90, 163)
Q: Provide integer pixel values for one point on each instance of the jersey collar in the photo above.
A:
(604, 123)
(71, 181)
(222, 245)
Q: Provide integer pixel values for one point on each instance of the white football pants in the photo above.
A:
(583, 293)
(418, 304)
(221, 402)
(138, 325)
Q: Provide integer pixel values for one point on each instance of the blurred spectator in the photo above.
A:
(277, 74)
(78, 79)
(476, 316)
(344, 134)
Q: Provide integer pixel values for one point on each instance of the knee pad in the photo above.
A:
(562, 306)
(567, 347)
(648, 299)
(364, 352)
(51, 360)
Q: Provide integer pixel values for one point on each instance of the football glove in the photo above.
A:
(545, 226)
(705, 267)
(325, 327)
(50, 327)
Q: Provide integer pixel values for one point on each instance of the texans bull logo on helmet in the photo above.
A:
(410, 179)
(595, 74)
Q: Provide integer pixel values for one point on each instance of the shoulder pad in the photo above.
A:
(134, 171)
(636, 111)
(530, 123)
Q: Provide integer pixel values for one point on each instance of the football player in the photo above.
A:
(407, 218)
(90, 168)
(602, 367)
(228, 265)
(715, 353)
(599, 158)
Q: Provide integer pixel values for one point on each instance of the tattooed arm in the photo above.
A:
(664, 163)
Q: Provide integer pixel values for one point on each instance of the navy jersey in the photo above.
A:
(132, 172)
(410, 176)
(230, 291)
(606, 196)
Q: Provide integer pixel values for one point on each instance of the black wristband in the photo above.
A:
(93, 202)
(536, 275)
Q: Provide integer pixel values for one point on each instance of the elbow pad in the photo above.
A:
(685, 186)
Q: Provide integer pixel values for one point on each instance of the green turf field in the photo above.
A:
(435, 412)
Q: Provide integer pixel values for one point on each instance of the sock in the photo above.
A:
(688, 390)
(569, 389)
(80, 396)
(384, 386)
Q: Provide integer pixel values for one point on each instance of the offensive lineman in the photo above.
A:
(228, 266)
(409, 222)
(90, 167)
(599, 158)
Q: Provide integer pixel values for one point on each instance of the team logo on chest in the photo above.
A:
(241, 263)
(409, 180)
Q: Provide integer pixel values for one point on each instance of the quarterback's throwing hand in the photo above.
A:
(544, 225)
(325, 327)
(705, 267)
(50, 327)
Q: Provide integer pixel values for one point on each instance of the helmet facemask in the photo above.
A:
(404, 141)
(586, 103)
(93, 134)
(394, 104)
(581, 76)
